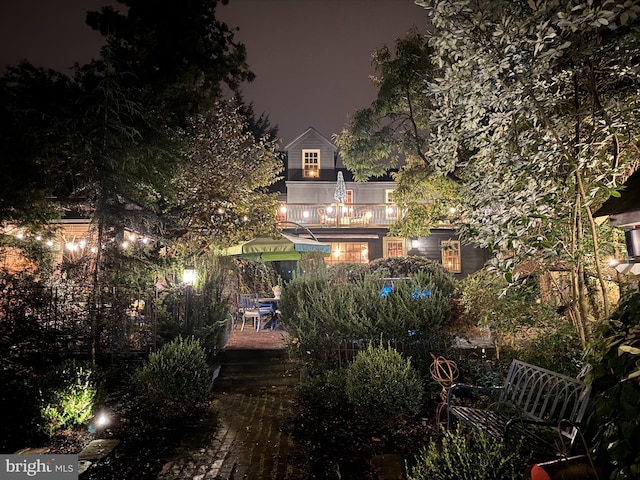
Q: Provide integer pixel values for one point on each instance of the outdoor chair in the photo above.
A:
(248, 308)
(265, 310)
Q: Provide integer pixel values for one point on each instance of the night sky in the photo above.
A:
(312, 58)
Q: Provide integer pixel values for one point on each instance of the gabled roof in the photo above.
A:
(308, 132)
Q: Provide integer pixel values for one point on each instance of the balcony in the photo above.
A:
(345, 215)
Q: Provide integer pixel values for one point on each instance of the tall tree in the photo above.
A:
(537, 101)
(222, 189)
(392, 133)
(179, 50)
(34, 130)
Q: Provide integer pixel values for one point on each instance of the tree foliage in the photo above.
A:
(392, 134)
(181, 52)
(222, 191)
(535, 103)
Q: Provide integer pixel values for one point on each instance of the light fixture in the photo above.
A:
(415, 243)
(305, 214)
(189, 275)
(283, 209)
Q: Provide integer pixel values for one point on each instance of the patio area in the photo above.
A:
(264, 339)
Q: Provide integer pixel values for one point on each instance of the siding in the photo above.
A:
(472, 259)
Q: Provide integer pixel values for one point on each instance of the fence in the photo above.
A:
(58, 319)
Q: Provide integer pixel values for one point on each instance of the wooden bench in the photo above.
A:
(532, 400)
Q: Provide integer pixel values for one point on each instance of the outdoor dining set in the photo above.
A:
(262, 311)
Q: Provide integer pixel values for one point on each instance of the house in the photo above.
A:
(358, 227)
(624, 213)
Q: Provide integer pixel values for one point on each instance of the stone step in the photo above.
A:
(246, 369)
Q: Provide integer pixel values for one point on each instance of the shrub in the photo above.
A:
(507, 309)
(381, 383)
(467, 457)
(178, 372)
(557, 348)
(70, 394)
(613, 425)
(322, 317)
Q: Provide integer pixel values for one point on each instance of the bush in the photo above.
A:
(323, 317)
(509, 310)
(381, 383)
(178, 372)
(473, 457)
(613, 425)
(70, 394)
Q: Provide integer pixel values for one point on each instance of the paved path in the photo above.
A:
(246, 435)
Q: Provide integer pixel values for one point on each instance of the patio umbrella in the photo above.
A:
(283, 247)
(341, 190)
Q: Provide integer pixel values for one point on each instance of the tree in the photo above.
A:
(180, 52)
(392, 133)
(537, 102)
(34, 115)
(222, 190)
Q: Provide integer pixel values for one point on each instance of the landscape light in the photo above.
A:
(189, 275)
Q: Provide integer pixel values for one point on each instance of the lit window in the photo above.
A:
(311, 163)
(391, 210)
(389, 196)
(349, 196)
(451, 255)
(351, 252)
(394, 247)
(282, 213)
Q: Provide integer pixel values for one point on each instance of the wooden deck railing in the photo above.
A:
(345, 215)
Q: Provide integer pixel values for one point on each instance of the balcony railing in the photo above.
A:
(344, 215)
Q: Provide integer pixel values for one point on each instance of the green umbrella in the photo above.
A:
(283, 247)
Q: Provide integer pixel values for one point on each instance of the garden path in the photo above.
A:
(247, 434)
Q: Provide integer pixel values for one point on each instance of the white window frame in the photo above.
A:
(388, 195)
(448, 246)
(305, 170)
(385, 242)
(390, 209)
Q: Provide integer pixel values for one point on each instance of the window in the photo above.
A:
(311, 163)
(391, 209)
(451, 255)
(394, 247)
(352, 252)
(389, 196)
(349, 196)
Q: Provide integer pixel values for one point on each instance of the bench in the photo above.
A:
(531, 400)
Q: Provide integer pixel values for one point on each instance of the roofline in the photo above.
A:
(331, 144)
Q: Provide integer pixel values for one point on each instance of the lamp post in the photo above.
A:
(189, 278)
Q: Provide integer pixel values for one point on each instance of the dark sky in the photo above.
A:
(312, 58)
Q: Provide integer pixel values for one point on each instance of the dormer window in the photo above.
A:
(310, 163)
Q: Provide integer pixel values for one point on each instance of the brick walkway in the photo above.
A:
(246, 436)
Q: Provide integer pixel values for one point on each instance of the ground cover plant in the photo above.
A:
(467, 456)
(70, 395)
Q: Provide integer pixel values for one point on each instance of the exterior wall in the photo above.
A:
(307, 196)
(471, 259)
(311, 140)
